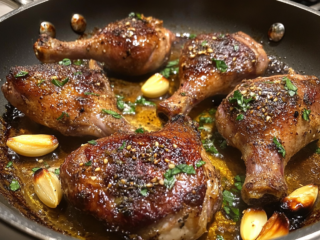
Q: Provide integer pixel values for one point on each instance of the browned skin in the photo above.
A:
(44, 103)
(199, 77)
(113, 194)
(131, 46)
(274, 113)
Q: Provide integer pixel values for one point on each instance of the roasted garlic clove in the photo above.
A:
(155, 86)
(301, 201)
(277, 226)
(48, 28)
(33, 145)
(47, 187)
(252, 222)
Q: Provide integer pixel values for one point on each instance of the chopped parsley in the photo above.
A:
(10, 164)
(21, 74)
(63, 114)
(205, 120)
(78, 62)
(127, 108)
(292, 89)
(144, 192)
(318, 150)
(14, 185)
(200, 163)
(204, 43)
(236, 48)
(305, 114)
(220, 65)
(112, 113)
(221, 35)
(212, 111)
(240, 101)
(89, 163)
(169, 175)
(219, 237)
(208, 145)
(228, 203)
(223, 144)
(57, 171)
(192, 36)
(171, 68)
(91, 93)
(120, 102)
(60, 83)
(78, 73)
(122, 146)
(65, 62)
(239, 181)
(93, 142)
(139, 130)
(46, 165)
(141, 100)
(240, 117)
(279, 146)
(183, 94)
(35, 169)
(135, 15)
(41, 81)
(204, 128)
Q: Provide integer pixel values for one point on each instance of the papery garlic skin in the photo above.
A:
(47, 186)
(35, 145)
(155, 86)
(277, 226)
(252, 223)
(301, 201)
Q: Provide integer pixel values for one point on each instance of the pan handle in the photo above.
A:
(15, 3)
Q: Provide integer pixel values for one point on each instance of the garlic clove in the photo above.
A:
(48, 28)
(47, 187)
(252, 222)
(277, 226)
(301, 201)
(33, 145)
(78, 23)
(155, 86)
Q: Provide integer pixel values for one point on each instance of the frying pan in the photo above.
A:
(19, 30)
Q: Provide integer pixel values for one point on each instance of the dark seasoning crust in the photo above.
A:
(117, 176)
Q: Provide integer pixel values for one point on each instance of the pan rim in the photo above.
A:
(18, 221)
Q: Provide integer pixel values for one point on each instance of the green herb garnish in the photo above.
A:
(220, 65)
(205, 120)
(236, 48)
(144, 192)
(171, 68)
(305, 114)
(279, 146)
(135, 15)
(318, 150)
(91, 93)
(120, 102)
(242, 103)
(221, 35)
(228, 205)
(141, 100)
(183, 94)
(93, 142)
(21, 74)
(58, 83)
(65, 62)
(35, 169)
(129, 108)
(212, 111)
(208, 145)
(112, 113)
(169, 175)
(14, 185)
(219, 237)
(77, 62)
(78, 73)
(41, 81)
(63, 114)
(200, 163)
(9, 164)
(204, 43)
(239, 181)
(57, 171)
(139, 130)
(46, 165)
(89, 163)
(122, 146)
(192, 36)
(292, 89)
(240, 117)
(223, 144)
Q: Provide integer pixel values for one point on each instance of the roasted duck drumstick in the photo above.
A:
(133, 46)
(214, 64)
(75, 100)
(269, 120)
(156, 185)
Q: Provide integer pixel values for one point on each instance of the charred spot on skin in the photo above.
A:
(296, 114)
